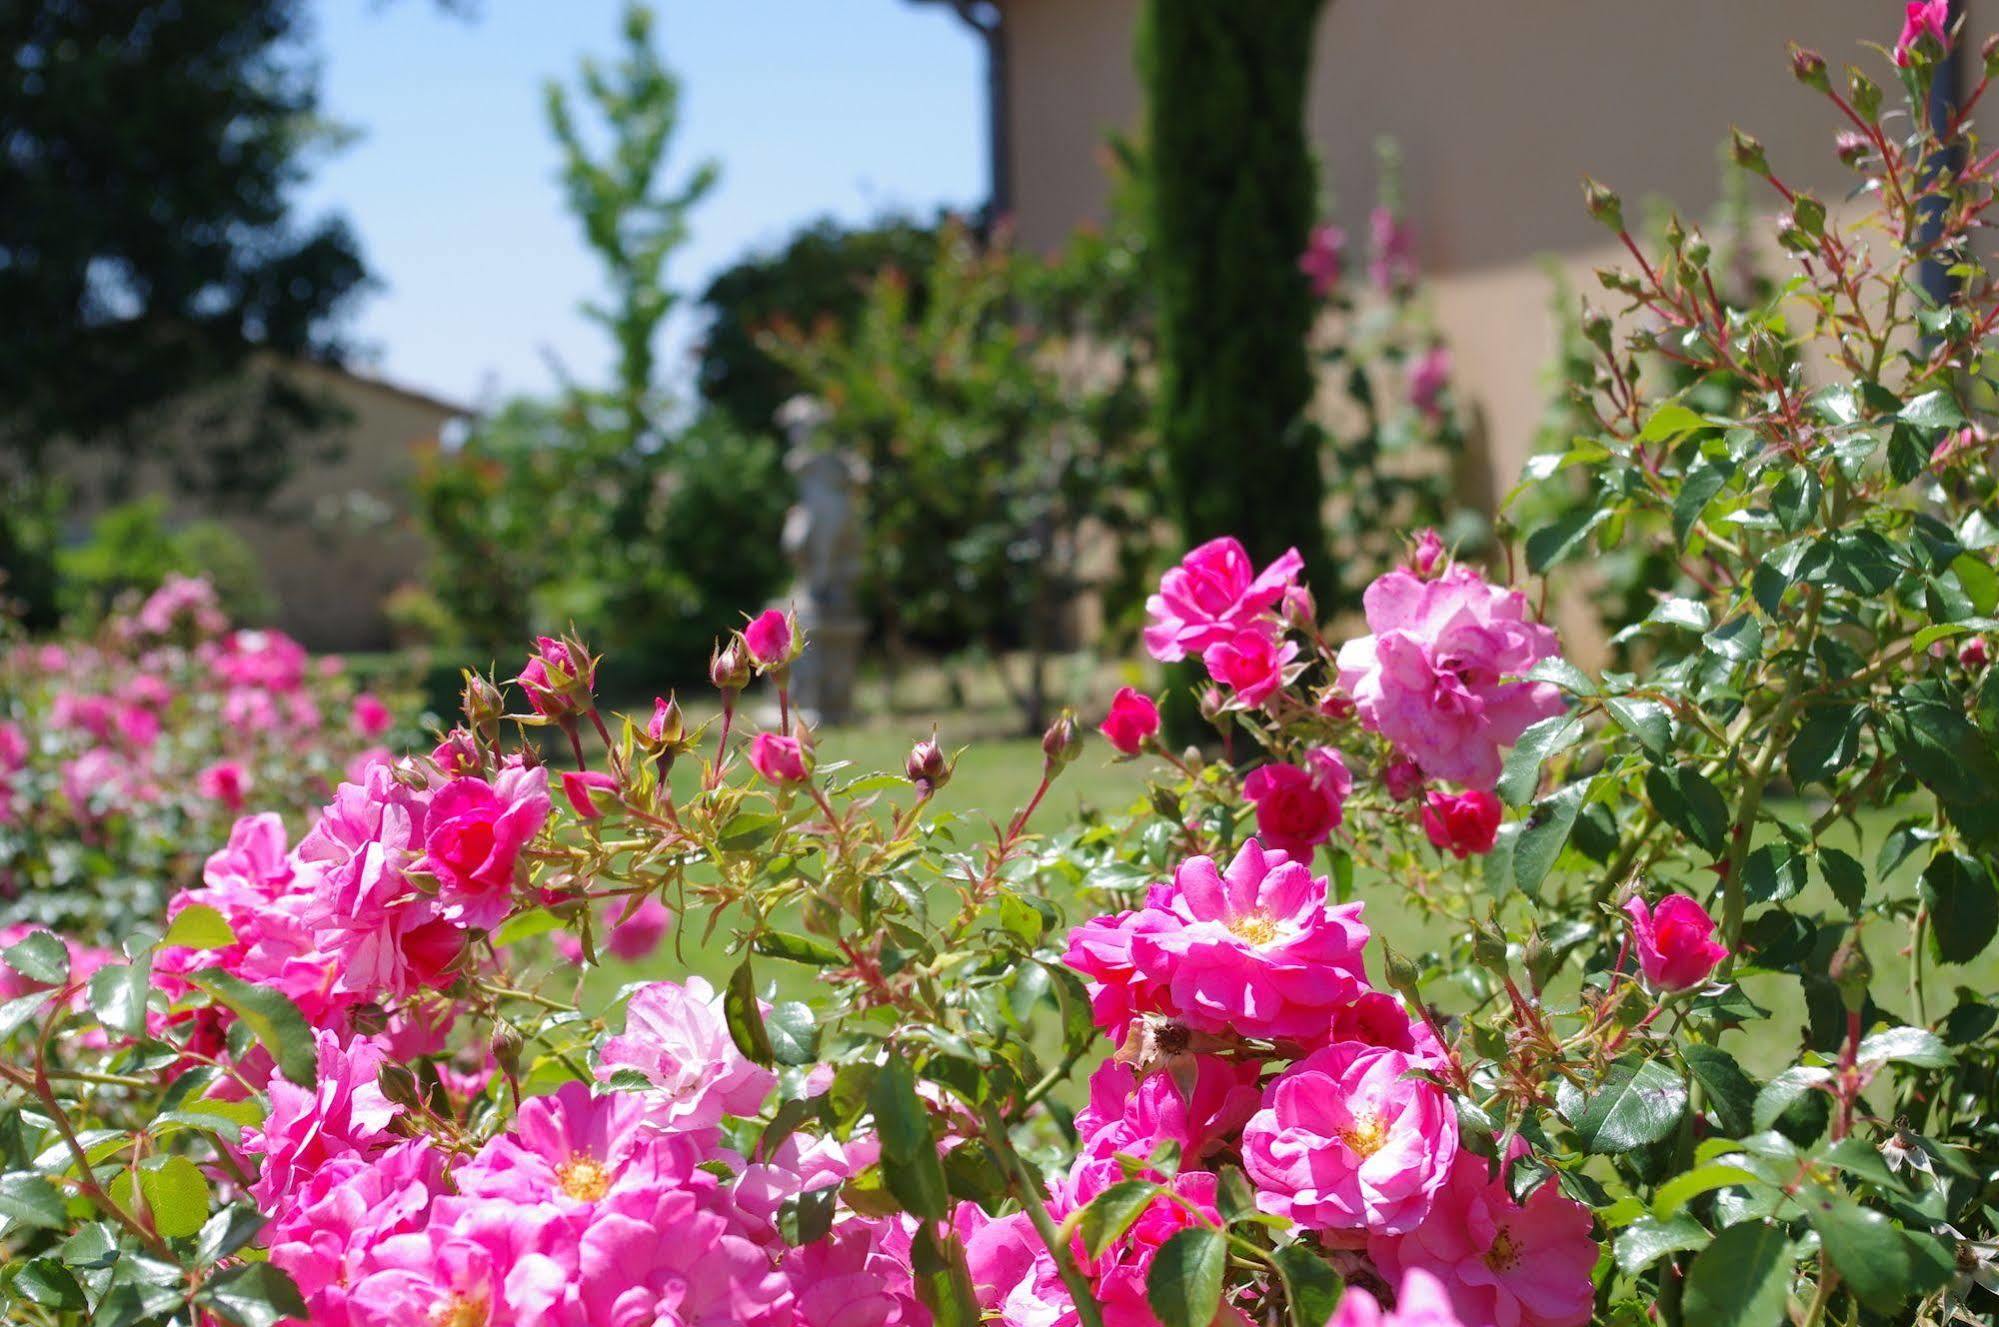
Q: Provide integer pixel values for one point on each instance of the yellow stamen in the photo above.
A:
(1255, 928)
(583, 1178)
(1366, 1137)
(459, 1311)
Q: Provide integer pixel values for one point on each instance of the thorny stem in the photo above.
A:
(1024, 1188)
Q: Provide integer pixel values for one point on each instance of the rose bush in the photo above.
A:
(1161, 1068)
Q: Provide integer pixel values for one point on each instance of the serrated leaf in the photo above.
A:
(1184, 1286)
(1844, 876)
(1686, 800)
(252, 1295)
(1904, 1045)
(27, 1199)
(198, 926)
(1648, 1239)
(40, 956)
(1112, 1212)
(797, 949)
(1543, 835)
(1963, 907)
(1866, 1248)
(177, 1195)
(272, 1018)
(1637, 1103)
(1646, 720)
(1730, 1093)
(794, 1036)
(908, 1146)
(1542, 739)
(118, 995)
(1742, 1279)
(1310, 1284)
(1737, 640)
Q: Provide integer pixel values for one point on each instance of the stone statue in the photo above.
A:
(822, 537)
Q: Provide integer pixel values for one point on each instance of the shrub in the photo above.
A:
(132, 551)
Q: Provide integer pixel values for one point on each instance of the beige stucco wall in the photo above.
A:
(1499, 108)
(336, 537)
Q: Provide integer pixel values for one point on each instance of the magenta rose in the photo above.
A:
(1462, 824)
(1430, 677)
(1133, 720)
(1677, 950)
(1214, 593)
(1252, 663)
(1922, 19)
(779, 759)
(769, 638)
(1298, 809)
(558, 683)
(473, 840)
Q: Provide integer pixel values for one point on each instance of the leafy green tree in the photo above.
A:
(149, 246)
(1232, 195)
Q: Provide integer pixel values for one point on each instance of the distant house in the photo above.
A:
(336, 537)
(1499, 110)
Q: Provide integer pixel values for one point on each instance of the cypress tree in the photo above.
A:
(1232, 200)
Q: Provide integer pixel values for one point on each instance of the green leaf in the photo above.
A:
(1649, 1239)
(797, 949)
(252, 1295)
(39, 956)
(745, 1020)
(1702, 484)
(1544, 833)
(1562, 538)
(1868, 1250)
(176, 1193)
(1795, 499)
(1113, 1211)
(1904, 1045)
(227, 1231)
(1310, 1284)
(272, 1018)
(908, 1147)
(1184, 1286)
(943, 1282)
(1637, 1103)
(1827, 742)
(807, 1217)
(198, 926)
(1963, 907)
(1542, 739)
(1737, 640)
(1685, 799)
(1683, 1188)
(521, 926)
(1742, 1279)
(1784, 1093)
(1691, 614)
(27, 1199)
(1646, 720)
(50, 1284)
(118, 995)
(1730, 1093)
(1844, 876)
(794, 1037)
(1670, 421)
(1772, 874)
(1932, 410)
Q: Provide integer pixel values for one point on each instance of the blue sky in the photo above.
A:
(850, 107)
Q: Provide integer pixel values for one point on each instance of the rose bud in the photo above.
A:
(781, 760)
(584, 788)
(1132, 722)
(1676, 947)
(558, 679)
(1060, 744)
(1429, 556)
(1463, 824)
(666, 725)
(457, 754)
(1974, 654)
(1403, 779)
(926, 766)
(769, 639)
(729, 667)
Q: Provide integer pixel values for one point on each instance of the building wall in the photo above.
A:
(1499, 109)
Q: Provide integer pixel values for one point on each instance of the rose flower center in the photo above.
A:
(1366, 1135)
(459, 1311)
(1504, 1253)
(1256, 928)
(583, 1178)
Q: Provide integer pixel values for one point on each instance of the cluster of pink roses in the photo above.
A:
(593, 1208)
(1352, 1138)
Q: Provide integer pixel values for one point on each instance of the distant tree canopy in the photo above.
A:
(148, 247)
(819, 279)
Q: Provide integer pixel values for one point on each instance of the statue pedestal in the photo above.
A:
(822, 537)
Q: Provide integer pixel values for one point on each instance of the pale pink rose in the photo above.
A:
(1922, 19)
(98, 782)
(1255, 951)
(1252, 663)
(779, 759)
(676, 1039)
(1420, 1301)
(370, 717)
(1429, 677)
(473, 838)
(1013, 1278)
(1499, 1261)
(635, 932)
(577, 1155)
(343, 1115)
(261, 660)
(675, 1257)
(226, 781)
(1324, 259)
(1462, 824)
(1214, 593)
(1345, 1142)
(768, 638)
(1298, 809)
(1676, 947)
(493, 1266)
(181, 602)
(1132, 722)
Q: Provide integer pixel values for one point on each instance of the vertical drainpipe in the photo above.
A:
(1934, 275)
(988, 20)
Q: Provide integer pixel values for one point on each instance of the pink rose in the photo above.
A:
(344, 1114)
(1429, 375)
(635, 934)
(1677, 950)
(1403, 779)
(1920, 19)
(666, 723)
(371, 718)
(1429, 554)
(1298, 809)
(769, 638)
(457, 755)
(1420, 1301)
(779, 759)
(226, 781)
(583, 787)
(1429, 677)
(1252, 663)
(1132, 722)
(1213, 593)
(1499, 1261)
(676, 1038)
(1392, 265)
(1346, 1142)
(13, 748)
(1324, 259)
(1462, 824)
(558, 682)
(473, 841)
(1974, 654)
